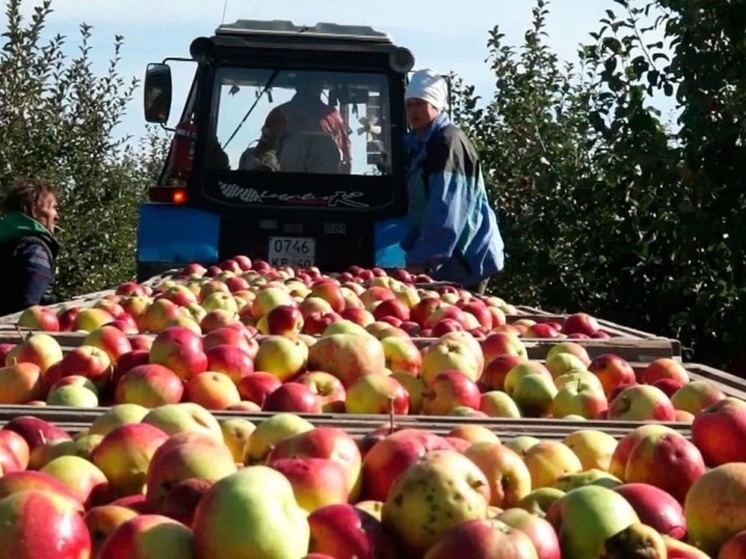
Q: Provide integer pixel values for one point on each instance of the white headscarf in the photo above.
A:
(428, 86)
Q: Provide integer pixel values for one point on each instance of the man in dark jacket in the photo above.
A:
(453, 232)
(28, 248)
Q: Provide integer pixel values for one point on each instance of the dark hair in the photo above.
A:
(25, 193)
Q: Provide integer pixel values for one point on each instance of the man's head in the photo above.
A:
(426, 97)
(33, 197)
(308, 87)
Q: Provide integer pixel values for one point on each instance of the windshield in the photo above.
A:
(302, 121)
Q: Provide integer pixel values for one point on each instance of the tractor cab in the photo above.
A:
(288, 149)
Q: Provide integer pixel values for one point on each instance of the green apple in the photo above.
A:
(184, 416)
(115, 416)
(534, 394)
(497, 403)
(271, 522)
(585, 517)
(73, 395)
(270, 432)
(439, 491)
(539, 500)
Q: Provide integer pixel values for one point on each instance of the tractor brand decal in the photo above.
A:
(250, 195)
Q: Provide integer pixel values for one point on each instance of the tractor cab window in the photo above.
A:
(302, 121)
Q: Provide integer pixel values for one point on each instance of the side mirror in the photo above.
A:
(157, 93)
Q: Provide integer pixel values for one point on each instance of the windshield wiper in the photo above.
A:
(270, 81)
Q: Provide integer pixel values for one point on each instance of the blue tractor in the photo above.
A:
(241, 178)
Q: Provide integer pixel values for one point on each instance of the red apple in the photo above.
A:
(39, 523)
(345, 531)
(391, 456)
(212, 391)
(316, 482)
(284, 320)
(669, 386)
(542, 330)
(422, 310)
(719, 431)
(148, 536)
(292, 397)
(88, 361)
(656, 508)
(612, 371)
(21, 383)
(231, 360)
(482, 539)
(480, 311)
(39, 317)
(540, 531)
(183, 456)
(329, 389)
(580, 323)
(493, 376)
(110, 339)
(444, 312)
(665, 368)
(182, 499)
(501, 343)
(450, 389)
(141, 341)
(256, 386)
(125, 323)
(358, 315)
(667, 460)
(235, 334)
(642, 402)
(128, 361)
(329, 290)
(129, 288)
(124, 455)
(35, 431)
(181, 350)
(102, 520)
(734, 547)
(331, 443)
(66, 318)
(391, 308)
(149, 385)
(14, 452)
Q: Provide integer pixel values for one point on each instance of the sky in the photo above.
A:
(443, 35)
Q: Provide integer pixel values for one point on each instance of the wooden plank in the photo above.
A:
(617, 330)
(533, 426)
(643, 351)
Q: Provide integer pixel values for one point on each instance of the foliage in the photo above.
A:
(59, 119)
(606, 206)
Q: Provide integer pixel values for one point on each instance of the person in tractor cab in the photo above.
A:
(28, 248)
(305, 134)
(453, 232)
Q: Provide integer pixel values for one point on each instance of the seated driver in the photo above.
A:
(305, 112)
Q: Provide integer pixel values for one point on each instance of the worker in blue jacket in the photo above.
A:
(453, 232)
(28, 248)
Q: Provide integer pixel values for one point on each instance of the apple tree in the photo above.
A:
(607, 204)
(59, 123)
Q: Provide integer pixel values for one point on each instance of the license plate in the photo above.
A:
(299, 252)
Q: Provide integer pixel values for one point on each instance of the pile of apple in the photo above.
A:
(177, 482)
(377, 369)
(198, 297)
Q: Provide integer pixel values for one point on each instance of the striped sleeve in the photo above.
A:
(449, 202)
